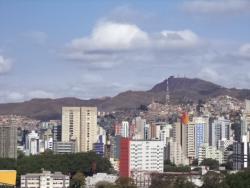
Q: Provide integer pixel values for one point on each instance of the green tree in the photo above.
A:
(171, 167)
(213, 180)
(212, 163)
(170, 181)
(65, 163)
(182, 182)
(238, 180)
(78, 180)
(104, 184)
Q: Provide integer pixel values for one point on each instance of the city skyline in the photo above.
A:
(62, 49)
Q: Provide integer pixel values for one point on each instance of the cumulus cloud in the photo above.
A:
(217, 6)
(112, 43)
(5, 64)
(111, 36)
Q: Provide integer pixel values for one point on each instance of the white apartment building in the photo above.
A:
(48, 144)
(32, 144)
(210, 152)
(79, 124)
(220, 130)
(176, 154)
(125, 129)
(146, 155)
(46, 179)
(165, 133)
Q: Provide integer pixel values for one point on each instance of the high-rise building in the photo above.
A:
(124, 170)
(32, 144)
(147, 134)
(177, 132)
(188, 140)
(79, 124)
(175, 154)
(165, 133)
(220, 129)
(139, 127)
(210, 152)
(57, 133)
(125, 129)
(8, 141)
(245, 124)
(141, 155)
(200, 134)
(241, 154)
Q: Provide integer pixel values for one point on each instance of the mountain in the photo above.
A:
(180, 90)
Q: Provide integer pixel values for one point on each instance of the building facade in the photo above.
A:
(64, 147)
(79, 124)
(137, 155)
(46, 179)
(8, 141)
(32, 144)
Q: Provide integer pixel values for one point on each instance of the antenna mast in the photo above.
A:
(167, 93)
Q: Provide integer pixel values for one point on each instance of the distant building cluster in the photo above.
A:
(137, 146)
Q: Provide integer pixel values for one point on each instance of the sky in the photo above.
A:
(92, 49)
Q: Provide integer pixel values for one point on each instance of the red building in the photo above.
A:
(124, 157)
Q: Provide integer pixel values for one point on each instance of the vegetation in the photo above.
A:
(171, 167)
(121, 182)
(238, 180)
(78, 180)
(104, 184)
(170, 181)
(213, 180)
(212, 163)
(65, 163)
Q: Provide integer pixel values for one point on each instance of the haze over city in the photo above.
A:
(91, 49)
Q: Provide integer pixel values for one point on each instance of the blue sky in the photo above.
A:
(91, 49)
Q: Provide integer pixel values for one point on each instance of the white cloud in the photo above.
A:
(217, 6)
(244, 50)
(5, 64)
(111, 36)
(210, 74)
(179, 39)
(10, 96)
(112, 43)
(40, 94)
(21, 95)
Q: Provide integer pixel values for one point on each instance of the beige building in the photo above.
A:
(46, 179)
(188, 140)
(79, 124)
(176, 154)
(8, 141)
(210, 152)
